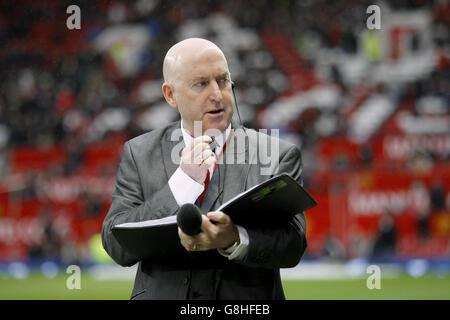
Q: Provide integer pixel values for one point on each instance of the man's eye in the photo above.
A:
(200, 84)
(223, 82)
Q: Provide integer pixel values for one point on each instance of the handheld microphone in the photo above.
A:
(189, 219)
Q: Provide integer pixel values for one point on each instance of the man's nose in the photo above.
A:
(216, 92)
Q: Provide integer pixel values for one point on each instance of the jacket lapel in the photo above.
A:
(231, 173)
(237, 166)
(171, 144)
(212, 193)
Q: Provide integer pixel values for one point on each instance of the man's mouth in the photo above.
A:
(217, 111)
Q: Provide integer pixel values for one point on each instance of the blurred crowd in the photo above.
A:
(300, 66)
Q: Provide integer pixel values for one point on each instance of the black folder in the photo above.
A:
(271, 203)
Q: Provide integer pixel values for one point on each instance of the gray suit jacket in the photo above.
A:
(142, 193)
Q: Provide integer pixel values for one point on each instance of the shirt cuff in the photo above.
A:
(240, 251)
(184, 188)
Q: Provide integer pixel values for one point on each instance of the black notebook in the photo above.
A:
(270, 203)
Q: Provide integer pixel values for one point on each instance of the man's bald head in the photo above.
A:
(197, 83)
(183, 53)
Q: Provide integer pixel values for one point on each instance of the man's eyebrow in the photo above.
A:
(196, 78)
(223, 74)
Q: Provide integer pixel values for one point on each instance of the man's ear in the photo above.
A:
(168, 93)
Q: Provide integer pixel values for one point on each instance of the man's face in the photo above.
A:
(202, 91)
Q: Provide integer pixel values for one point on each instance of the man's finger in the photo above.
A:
(206, 154)
(204, 138)
(206, 223)
(219, 217)
(196, 156)
(208, 161)
(200, 140)
(200, 147)
(190, 243)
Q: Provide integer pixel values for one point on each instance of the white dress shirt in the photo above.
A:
(187, 190)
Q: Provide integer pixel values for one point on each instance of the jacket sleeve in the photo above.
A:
(284, 246)
(128, 205)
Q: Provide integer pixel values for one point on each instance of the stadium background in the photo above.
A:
(368, 108)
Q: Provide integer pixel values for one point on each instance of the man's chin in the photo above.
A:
(213, 129)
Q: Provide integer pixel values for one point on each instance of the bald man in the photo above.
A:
(223, 261)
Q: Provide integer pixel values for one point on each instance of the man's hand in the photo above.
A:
(196, 158)
(218, 232)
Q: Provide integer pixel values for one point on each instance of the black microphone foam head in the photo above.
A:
(189, 219)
